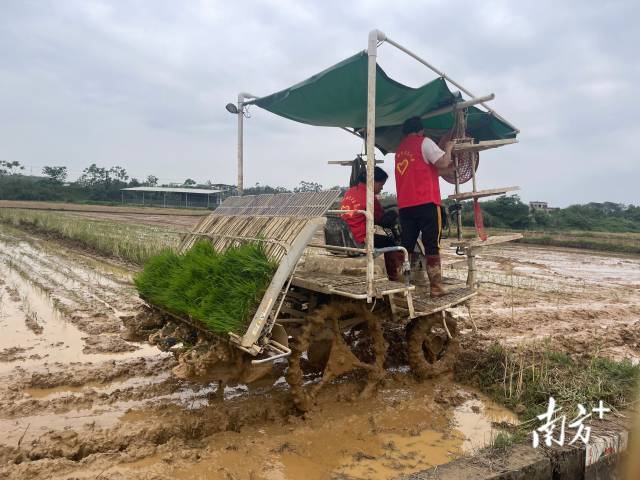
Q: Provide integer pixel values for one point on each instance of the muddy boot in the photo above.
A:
(393, 262)
(434, 271)
(418, 272)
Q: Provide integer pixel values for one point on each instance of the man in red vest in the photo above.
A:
(419, 161)
(356, 199)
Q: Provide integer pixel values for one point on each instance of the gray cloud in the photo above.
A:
(143, 84)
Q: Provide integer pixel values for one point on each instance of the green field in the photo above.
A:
(137, 243)
(601, 241)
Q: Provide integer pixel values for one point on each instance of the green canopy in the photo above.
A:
(337, 97)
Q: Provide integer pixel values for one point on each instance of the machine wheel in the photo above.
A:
(429, 348)
(355, 342)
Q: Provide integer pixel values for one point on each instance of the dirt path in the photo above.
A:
(78, 401)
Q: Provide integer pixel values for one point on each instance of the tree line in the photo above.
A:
(510, 212)
(98, 184)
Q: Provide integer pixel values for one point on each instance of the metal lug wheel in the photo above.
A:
(340, 337)
(429, 347)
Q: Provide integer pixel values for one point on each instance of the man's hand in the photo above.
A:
(449, 147)
(445, 163)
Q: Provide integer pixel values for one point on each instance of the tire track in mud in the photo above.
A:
(68, 386)
(78, 291)
(578, 302)
(63, 409)
(64, 273)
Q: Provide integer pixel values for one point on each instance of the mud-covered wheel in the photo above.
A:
(429, 348)
(339, 337)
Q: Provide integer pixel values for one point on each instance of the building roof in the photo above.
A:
(202, 191)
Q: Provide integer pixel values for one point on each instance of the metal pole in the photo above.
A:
(241, 98)
(449, 79)
(372, 51)
(164, 200)
(284, 271)
(457, 190)
(122, 197)
(186, 199)
(240, 146)
(143, 199)
(459, 106)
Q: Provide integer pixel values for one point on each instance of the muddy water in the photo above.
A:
(59, 315)
(87, 404)
(59, 341)
(401, 431)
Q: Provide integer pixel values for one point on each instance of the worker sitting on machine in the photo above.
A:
(356, 199)
(418, 163)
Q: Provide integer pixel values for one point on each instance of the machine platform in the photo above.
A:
(352, 286)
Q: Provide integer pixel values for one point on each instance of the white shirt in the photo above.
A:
(430, 151)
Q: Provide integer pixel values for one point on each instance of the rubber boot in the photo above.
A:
(418, 271)
(434, 271)
(393, 262)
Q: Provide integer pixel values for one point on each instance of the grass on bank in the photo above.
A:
(524, 381)
(600, 241)
(222, 290)
(134, 243)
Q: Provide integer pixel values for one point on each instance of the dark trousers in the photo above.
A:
(382, 241)
(425, 219)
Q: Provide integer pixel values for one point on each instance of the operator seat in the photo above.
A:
(338, 234)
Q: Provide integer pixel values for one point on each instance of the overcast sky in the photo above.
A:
(143, 84)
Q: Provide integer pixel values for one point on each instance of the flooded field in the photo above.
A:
(77, 400)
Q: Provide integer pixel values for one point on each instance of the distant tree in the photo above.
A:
(510, 210)
(308, 187)
(189, 182)
(152, 181)
(93, 176)
(541, 218)
(9, 168)
(118, 173)
(632, 213)
(264, 189)
(55, 174)
(134, 182)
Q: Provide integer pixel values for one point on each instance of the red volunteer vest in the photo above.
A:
(416, 180)
(356, 199)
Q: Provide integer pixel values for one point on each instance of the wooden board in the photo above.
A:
(493, 240)
(483, 193)
(483, 145)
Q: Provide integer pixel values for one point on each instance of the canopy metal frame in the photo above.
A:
(375, 39)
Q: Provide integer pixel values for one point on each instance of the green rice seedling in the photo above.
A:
(221, 290)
